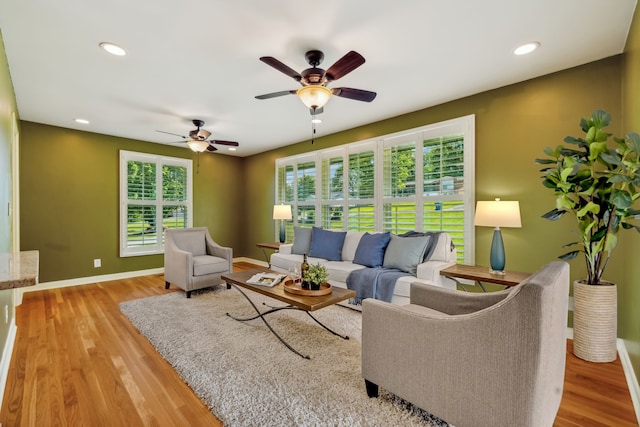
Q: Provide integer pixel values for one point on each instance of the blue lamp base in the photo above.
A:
(283, 232)
(497, 257)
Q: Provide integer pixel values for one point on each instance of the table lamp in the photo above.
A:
(497, 214)
(283, 213)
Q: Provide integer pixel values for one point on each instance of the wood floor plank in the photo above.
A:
(78, 361)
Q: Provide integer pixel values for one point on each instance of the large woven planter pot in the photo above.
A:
(595, 319)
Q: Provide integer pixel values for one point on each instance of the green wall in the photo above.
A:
(629, 314)
(69, 199)
(7, 110)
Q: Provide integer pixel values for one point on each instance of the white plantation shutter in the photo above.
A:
(332, 188)
(399, 186)
(155, 193)
(421, 179)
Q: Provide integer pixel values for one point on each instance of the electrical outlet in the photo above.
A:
(97, 263)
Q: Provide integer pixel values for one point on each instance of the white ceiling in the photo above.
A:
(198, 59)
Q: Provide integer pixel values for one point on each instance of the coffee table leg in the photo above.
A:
(344, 337)
(261, 316)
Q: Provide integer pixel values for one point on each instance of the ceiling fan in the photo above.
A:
(314, 92)
(197, 139)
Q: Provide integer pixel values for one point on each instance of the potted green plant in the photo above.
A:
(316, 276)
(598, 183)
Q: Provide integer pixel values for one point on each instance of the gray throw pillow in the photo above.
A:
(405, 253)
(433, 241)
(301, 240)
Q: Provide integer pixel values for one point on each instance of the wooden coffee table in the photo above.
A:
(294, 302)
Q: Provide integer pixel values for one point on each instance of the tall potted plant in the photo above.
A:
(598, 183)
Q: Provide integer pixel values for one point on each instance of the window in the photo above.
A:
(155, 193)
(420, 179)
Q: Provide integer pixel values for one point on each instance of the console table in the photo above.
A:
(18, 269)
(482, 275)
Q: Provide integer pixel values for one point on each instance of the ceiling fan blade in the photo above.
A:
(211, 148)
(357, 94)
(276, 94)
(344, 65)
(220, 142)
(174, 134)
(270, 60)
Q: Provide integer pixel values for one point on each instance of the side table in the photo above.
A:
(482, 275)
(274, 246)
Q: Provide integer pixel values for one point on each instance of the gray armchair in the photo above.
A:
(494, 359)
(192, 260)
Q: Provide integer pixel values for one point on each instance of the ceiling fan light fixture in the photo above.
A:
(314, 96)
(199, 134)
(198, 146)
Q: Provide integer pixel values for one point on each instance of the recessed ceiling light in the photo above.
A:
(82, 121)
(232, 148)
(526, 48)
(316, 120)
(113, 49)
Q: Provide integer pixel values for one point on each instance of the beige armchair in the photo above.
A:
(192, 260)
(494, 359)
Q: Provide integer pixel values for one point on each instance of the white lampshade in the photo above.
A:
(314, 96)
(198, 146)
(498, 213)
(282, 212)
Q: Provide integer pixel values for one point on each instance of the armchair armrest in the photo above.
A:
(453, 302)
(178, 265)
(220, 251)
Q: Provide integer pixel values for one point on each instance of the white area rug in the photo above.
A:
(249, 378)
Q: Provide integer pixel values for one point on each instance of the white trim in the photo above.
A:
(6, 358)
(159, 203)
(251, 261)
(105, 278)
(15, 186)
(86, 280)
(630, 375)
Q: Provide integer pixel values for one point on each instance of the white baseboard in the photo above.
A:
(6, 358)
(85, 281)
(252, 261)
(630, 375)
(105, 278)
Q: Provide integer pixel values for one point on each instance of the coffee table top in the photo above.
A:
(307, 303)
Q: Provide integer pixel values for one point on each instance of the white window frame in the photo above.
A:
(462, 125)
(160, 161)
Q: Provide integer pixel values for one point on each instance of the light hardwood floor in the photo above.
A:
(77, 361)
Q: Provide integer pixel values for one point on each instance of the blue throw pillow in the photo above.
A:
(370, 250)
(326, 244)
(405, 253)
(301, 240)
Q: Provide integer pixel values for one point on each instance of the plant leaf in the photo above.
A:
(545, 161)
(621, 199)
(569, 255)
(600, 118)
(554, 214)
(634, 138)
